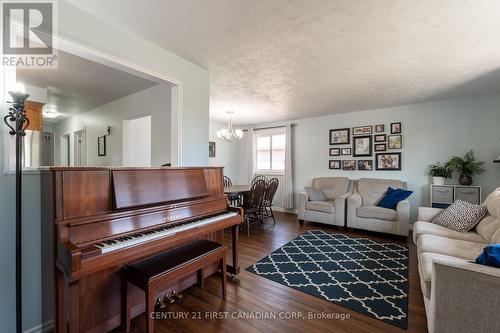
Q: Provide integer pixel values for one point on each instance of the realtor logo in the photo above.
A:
(28, 34)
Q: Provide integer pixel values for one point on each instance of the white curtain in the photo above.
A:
(287, 178)
(250, 152)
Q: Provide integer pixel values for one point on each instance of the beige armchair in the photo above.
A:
(363, 212)
(332, 211)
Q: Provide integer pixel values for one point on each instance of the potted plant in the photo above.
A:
(466, 167)
(439, 173)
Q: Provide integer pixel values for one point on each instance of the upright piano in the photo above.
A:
(104, 218)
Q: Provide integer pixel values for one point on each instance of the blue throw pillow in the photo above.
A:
(490, 256)
(393, 196)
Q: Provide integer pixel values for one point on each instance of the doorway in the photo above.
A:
(137, 142)
(79, 148)
(65, 148)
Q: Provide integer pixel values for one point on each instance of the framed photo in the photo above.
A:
(349, 165)
(334, 151)
(365, 165)
(380, 147)
(362, 130)
(395, 128)
(395, 142)
(211, 149)
(334, 164)
(101, 145)
(362, 146)
(379, 128)
(346, 151)
(340, 136)
(380, 138)
(388, 161)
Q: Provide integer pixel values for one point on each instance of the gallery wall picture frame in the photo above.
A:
(388, 161)
(362, 146)
(211, 149)
(396, 128)
(101, 145)
(380, 137)
(362, 130)
(346, 151)
(340, 136)
(334, 152)
(379, 128)
(365, 165)
(380, 147)
(349, 165)
(395, 142)
(334, 164)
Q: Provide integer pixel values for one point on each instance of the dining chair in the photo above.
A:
(271, 188)
(259, 177)
(234, 199)
(253, 206)
(227, 181)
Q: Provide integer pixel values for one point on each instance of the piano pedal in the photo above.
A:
(168, 300)
(176, 296)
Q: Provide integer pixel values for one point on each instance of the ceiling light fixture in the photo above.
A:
(230, 134)
(51, 114)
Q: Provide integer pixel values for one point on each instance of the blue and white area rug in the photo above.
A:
(361, 274)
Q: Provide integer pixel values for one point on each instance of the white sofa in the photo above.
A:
(332, 211)
(362, 212)
(459, 295)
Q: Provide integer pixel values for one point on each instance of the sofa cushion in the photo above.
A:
(372, 190)
(490, 256)
(392, 197)
(425, 268)
(315, 194)
(321, 206)
(447, 246)
(374, 212)
(332, 187)
(428, 228)
(489, 226)
(461, 216)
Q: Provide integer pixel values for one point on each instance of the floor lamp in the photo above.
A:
(17, 122)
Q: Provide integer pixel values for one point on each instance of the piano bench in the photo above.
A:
(156, 273)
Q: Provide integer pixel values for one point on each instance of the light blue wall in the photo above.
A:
(431, 132)
(84, 29)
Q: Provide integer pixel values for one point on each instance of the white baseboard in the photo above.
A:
(46, 327)
(285, 210)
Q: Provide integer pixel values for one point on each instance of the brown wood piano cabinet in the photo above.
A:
(104, 218)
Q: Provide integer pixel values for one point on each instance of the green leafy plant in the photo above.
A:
(467, 165)
(440, 170)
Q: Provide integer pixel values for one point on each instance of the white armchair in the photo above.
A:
(362, 212)
(332, 211)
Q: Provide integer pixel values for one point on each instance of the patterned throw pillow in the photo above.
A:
(461, 216)
(315, 194)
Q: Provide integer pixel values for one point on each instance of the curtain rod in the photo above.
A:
(269, 127)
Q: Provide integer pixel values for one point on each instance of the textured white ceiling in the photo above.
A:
(79, 85)
(271, 60)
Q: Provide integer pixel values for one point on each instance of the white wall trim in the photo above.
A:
(46, 327)
(286, 210)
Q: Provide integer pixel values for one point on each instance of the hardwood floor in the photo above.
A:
(248, 292)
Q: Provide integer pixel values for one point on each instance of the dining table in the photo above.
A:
(237, 189)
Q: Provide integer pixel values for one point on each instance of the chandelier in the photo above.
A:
(229, 134)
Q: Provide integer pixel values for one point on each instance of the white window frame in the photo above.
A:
(265, 133)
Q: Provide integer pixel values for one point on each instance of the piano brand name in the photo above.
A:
(172, 218)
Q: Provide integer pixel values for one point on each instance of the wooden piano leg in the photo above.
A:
(60, 313)
(235, 267)
(74, 306)
(150, 309)
(223, 274)
(126, 304)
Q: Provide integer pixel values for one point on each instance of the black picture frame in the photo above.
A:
(362, 130)
(355, 151)
(396, 128)
(334, 164)
(381, 167)
(345, 140)
(400, 146)
(365, 165)
(349, 165)
(379, 128)
(101, 145)
(334, 152)
(345, 151)
(211, 149)
(380, 138)
(380, 147)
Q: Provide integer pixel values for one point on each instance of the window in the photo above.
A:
(270, 155)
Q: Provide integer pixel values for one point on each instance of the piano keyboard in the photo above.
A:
(170, 230)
